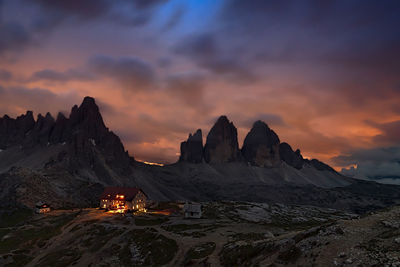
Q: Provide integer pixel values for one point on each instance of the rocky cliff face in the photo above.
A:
(222, 144)
(67, 161)
(13, 131)
(83, 134)
(192, 149)
(261, 146)
(88, 132)
(293, 158)
(42, 129)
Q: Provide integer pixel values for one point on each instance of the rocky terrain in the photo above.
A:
(67, 161)
(229, 234)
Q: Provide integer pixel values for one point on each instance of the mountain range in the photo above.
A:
(67, 161)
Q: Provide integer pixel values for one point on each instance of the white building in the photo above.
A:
(123, 199)
(192, 210)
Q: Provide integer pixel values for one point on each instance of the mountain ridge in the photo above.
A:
(261, 147)
(68, 160)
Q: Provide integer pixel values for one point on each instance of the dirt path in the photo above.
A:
(57, 241)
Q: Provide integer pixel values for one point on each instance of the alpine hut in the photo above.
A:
(192, 210)
(123, 199)
(42, 207)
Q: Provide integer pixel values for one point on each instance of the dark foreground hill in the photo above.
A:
(229, 234)
(67, 161)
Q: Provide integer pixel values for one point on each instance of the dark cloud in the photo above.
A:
(48, 14)
(19, 99)
(143, 4)
(86, 9)
(5, 75)
(132, 73)
(390, 132)
(325, 17)
(269, 118)
(57, 76)
(396, 108)
(164, 62)
(381, 164)
(13, 37)
(189, 88)
(352, 46)
(1, 10)
(132, 12)
(174, 19)
(205, 51)
(377, 155)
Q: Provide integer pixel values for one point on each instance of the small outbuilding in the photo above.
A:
(123, 199)
(192, 210)
(42, 207)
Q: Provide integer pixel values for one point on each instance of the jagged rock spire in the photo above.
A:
(261, 146)
(13, 131)
(192, 149)
(222, 144)
(293, 158)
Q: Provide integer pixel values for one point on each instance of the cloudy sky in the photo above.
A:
(323, 74)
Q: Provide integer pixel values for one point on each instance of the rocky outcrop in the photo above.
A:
(87, 140)
(261, 146)
(42, 130)
(87, 119)
(13, 131)
(87, 133)
(61, 130)
(192, 149)
(222, 144)
(293, 158)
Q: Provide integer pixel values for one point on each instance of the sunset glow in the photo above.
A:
(324, 77)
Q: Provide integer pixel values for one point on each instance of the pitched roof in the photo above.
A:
(129, 193)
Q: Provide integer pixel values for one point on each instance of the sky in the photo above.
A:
(324, 75)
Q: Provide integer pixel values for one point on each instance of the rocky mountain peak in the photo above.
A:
(261, 146)
(25, 122)
(61, 131)
(197, 136)
(192, 149)
(87, 119)
(89, 101)
(13, 131)
(42, 130)
(222, 144)
(60, 117)
(48, 117)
